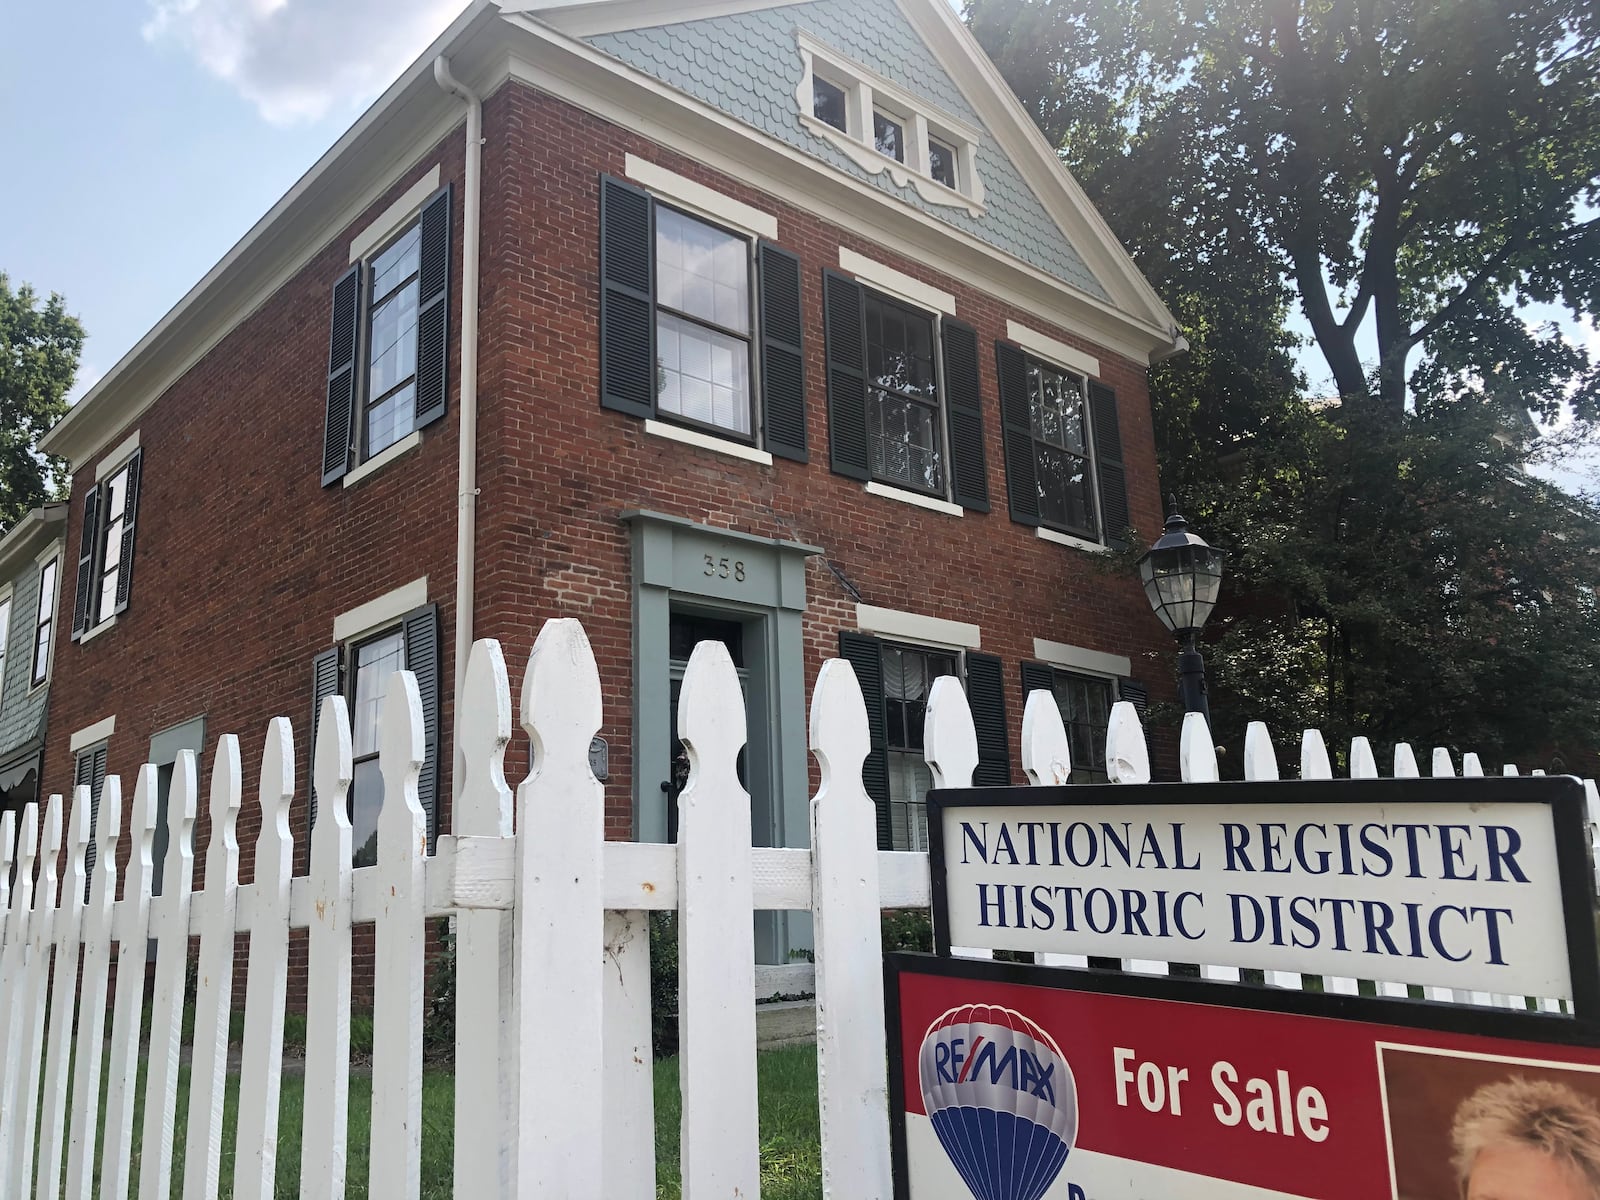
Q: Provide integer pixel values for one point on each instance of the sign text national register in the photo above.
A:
(1454, 883)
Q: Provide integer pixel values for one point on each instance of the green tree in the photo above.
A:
(39, 349)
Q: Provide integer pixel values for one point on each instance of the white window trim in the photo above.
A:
(88, 635)
(117, 459)
(1071, 540)
(1050, 349)
(866, 90)
(381, 611)
(383, 458)
(900, 626)
(931, 503)
(683, 192)
(884, 278)
(6, 595)
(706, 441)
(398, 214)
(91, 735)
(57, 551)
(1082, 660)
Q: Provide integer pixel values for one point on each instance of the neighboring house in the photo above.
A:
(30, 583)
(784, 327)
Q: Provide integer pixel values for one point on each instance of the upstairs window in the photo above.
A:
(828, 104)
(388, 345)
(700, 325)
(105, 556)
(45, 623)
(888, 136)
(5, 630)
(902, 396)
(1059, 412)
(703, 323)
(941, 163)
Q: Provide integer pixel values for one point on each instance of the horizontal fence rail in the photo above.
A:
(551, 941)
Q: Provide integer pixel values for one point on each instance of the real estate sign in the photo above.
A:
(1450, 883)
(1011, 1081)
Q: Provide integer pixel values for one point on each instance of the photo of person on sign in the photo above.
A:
(1527, 1139)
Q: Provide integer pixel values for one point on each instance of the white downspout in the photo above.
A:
(467, 461)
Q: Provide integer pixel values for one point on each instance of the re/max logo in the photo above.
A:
(1017, 1067)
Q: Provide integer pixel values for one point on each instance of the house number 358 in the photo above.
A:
(725, 568)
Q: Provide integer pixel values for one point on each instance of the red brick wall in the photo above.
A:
(243, 559)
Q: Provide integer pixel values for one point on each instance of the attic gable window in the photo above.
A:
(884, 128)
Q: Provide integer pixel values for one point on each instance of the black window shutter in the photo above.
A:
(864, 653)
(130, 516)
(89, 770)
(1136, 694)
(1037, 677)
(969, 469)
(783, 369)
(324, 683)
(422, 660)
(627, 299)
(342, 342)
(1016, 421)
(1112, 479)
(986, 696)
(86, 540)
(433, 309)
(844, 323)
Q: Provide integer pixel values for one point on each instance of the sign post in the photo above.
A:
(1011, 1081)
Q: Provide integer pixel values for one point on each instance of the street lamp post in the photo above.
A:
(1181, 576)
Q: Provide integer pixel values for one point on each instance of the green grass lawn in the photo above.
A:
(791, 1167)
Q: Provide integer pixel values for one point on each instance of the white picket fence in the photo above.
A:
(552, 1068)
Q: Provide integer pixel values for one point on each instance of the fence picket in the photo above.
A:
(486, 1060)
(1261, 763)
(323, 1139)
(398, 950)
(853, 1101)
(1405, 762)
(133, 929)
(627, 1089)
(8, 851)
(89, 1055)
(1591, 798)
(1197, 763)
(558, 892)
(1047, 762)
(255, 1167)
(1471, 768)
(169, 919)
(950, 748)
(16, 1169)
(716, 938)
(63, 1001)
(13, 993)
(213, 990)
(1363, 765)
(1127, 756)
(1315, 764)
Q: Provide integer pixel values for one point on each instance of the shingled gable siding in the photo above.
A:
(277, 556)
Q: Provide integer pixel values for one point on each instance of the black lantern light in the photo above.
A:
(1182, 576)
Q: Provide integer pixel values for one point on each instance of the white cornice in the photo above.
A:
(22, 540)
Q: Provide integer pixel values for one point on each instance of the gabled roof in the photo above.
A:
(542, 44)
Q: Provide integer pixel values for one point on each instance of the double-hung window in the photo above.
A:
(1063, 448)
(896, 682)
(700, 320)
(5, 631)
(359, 670)
(905, 405)
(1084, 701)
(105, 554)
(45, 622)
(388, 345)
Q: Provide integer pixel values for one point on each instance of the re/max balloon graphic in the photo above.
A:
(1001, 1098)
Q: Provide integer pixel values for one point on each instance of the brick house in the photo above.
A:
(773, 323)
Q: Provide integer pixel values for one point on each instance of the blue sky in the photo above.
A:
(178, 123)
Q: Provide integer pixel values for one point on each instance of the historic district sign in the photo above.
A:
(1019, 1082)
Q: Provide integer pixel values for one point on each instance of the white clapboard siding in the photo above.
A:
(486, 1060)
(853, 1099)
(397, 981)
(255, 1168)
(132, 929)
(92, 995)
(16, 1168)
(552, 933)
(558, 964)
(950, 748)
(169, 919)
(719, 1142)
(323, 1138)
(1047, 762)
(213, 994)
(63, 1004)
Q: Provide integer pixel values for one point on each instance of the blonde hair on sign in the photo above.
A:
(1537, 1113)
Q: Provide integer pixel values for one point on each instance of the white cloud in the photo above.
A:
(88, 375)
(295, 60)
